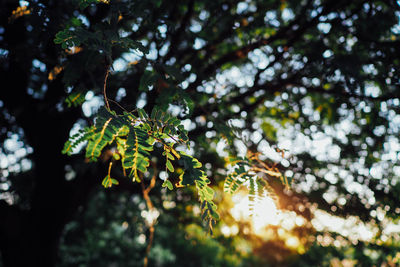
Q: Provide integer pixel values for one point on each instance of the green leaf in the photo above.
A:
(169, 155)
(107, 128)
(67, 39)
(75, 99)
(147, 126)
(159, 115)
(78, 138)
(142, 114)
(168, 184)
(108, 181)
(137, 152)
(99, 141)
(153, 113)
(215, 214)
(169, 166)
(75, 22)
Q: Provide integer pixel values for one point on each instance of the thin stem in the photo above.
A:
(272, 173)
(118, 104)
(151, 236)
(105, 87)
(150, 207)
(109, 168)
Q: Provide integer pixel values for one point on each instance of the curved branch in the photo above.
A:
(105, 87)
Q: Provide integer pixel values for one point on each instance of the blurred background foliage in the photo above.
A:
(311, 85)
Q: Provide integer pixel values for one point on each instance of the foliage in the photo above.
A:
(246, 171)
(114, 234)
(134, 137)
(317, 79)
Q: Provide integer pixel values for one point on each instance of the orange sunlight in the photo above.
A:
(264, 211)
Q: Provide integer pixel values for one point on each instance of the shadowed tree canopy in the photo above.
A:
(300, 90)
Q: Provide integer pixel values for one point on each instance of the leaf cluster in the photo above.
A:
(133, 137)
(253, 173)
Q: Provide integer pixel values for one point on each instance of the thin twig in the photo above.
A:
(150, 207)
(118, 104)
(105, 87)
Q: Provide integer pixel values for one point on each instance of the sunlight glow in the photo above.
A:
(265, 214)
(264, 211)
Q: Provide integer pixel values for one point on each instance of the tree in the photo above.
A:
(300, 70)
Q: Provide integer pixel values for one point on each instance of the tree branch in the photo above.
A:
(150, 207)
